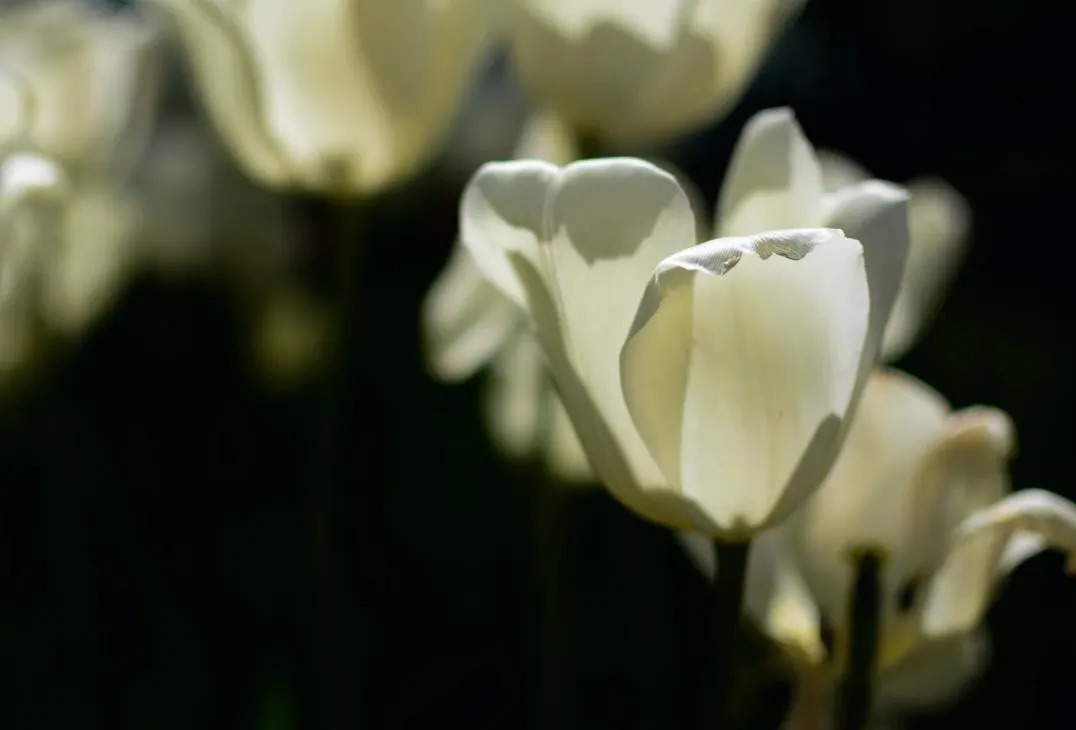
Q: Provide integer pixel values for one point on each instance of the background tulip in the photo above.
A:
(87, 83)
(939, 223)
(925, 488)
(342, 97)
(639, 70)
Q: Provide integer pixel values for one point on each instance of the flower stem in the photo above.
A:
(546, 542)
(728, 595)
(857, 687)
(329, 232)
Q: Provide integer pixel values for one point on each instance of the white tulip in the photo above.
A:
(939, 221)
(925, 488)
(708, 384)
(342, 97)
(640, 70)
(86, 84)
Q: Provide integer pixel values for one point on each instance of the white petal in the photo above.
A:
(655, 22)
(504, 213)
(967, 579)
(575, 248)
(934, 674)
(876, 213)
(223, 68)
(546, 137)
(839, 171)
(867, 500)
(778, 597)
(741, 367)
(515, 397)
(466, 320)
(564, 454)
(774, 180)
(939, 221)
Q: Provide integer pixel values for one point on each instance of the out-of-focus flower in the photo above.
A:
(31, 192)
(926, 489)
(341, 97)
(85, 84)
(708, 384)
(469, 324)
(641, 70)
(939, 221)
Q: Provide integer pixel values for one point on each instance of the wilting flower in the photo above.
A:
(926, 489)
(939, 221)
(341, 97)
(84, 84)
(709, 384)
(639, 70)
(469, 324)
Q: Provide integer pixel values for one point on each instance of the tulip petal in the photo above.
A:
(503, 213)
(742, 364)
(939, 221)
(876, 213)
(466, 319)
(864, 503)
(515, 397)
(936, 673)
(223, 68)
(774, 180)
(966, 581)
(564, 454)
(839, 172)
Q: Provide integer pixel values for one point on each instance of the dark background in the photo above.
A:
(158, 565)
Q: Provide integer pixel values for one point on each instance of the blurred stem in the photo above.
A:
(330, 230)
(728, 595)
(546, 542)
(857, 686)
(812, 703)
(589, 146)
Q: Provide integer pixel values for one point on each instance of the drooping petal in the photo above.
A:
(966, 581)
(515, 397)
(867, 502)
(466, 320)
(564, 454)
(774, 180)
(741, 366)
(939, 220)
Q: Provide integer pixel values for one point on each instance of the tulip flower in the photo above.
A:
(85, 84)
(469, 324)
(641, 70)
(939, 221)
(926, 489)
(341, 97)
(709, 384)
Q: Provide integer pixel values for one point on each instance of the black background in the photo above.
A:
(157, 564)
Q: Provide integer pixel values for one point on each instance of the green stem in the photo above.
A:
(330, 230)
(857, 687)
(728, 595)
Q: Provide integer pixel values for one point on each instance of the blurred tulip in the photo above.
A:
(340, 97)
(86, 84)
(708, 384)
(641, 70)
(939, 221)
(925, 488)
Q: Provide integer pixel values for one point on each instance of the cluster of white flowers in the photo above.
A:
(733, 389)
